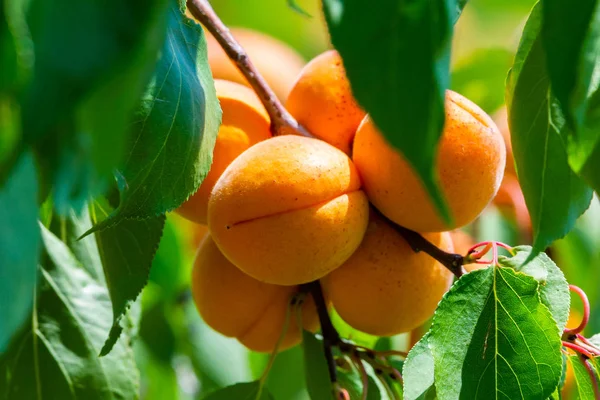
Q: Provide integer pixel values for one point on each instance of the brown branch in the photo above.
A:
(282, 121)
(453, 262)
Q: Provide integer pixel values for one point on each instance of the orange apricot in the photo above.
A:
(469, 163)
(245, 122)
(288, 210)
(236, 305)
(277, 62)
(386, 288)
(322, 101)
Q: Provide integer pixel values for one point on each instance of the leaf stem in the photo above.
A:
(586, 311)
(590, 371)
(282, 121)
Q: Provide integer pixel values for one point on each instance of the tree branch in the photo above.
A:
(453, 262)
(282, 121)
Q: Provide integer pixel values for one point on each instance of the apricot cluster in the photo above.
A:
(287, 210)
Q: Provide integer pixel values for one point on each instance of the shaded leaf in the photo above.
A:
(170, 151)
(19, 247)
(92, 62)
(126, 250)
(315, 368)
(56, 356)
(555, 196)
(493, 337)
(241, 391)
(554, 288)
(398, 66)
(571, 39)
(418, 372)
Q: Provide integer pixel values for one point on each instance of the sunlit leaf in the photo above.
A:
(418, 372)
(315, 367)
(492, 336)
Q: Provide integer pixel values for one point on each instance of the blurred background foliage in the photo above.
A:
(181, 358)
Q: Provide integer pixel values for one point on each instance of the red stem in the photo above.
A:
(578, 349)
(586, 311)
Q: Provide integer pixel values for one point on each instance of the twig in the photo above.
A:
(453, 262)
(282, 121)
(331, 337)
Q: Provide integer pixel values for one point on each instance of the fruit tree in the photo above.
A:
(289, 200)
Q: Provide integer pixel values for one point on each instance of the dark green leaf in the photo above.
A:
(92, 61)
(241, 391)
(571, 38)
(555, 196)
(493, 337)
(418, 372)
(583, 385)
(157, 333)
(554, 289)
(19, 247)
(589, 170)
(57, 355)
(481, 77)
(460, 4)
(286, 378)
(315, 368)
(398, 66)
(168, 270)
(170, 151)
(126, 250)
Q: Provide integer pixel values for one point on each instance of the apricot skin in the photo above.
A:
(236, 305)
(289, 210)
(386, 288)
(322, 101)
(277, 62)
(245, 122)
(470, 165)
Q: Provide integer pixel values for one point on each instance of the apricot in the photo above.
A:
(289, 210)
(322, 101)
(236, 305)
(386, 288)
(469, 163)
(245, 122)
(277, 62)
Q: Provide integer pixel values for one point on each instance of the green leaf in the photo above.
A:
(589, 170)
(555, 196)
(583, 385)
(168, 270)
(481, 77)
(398, 66)
(19, 247)
(493, 337)
(315, 368)
(241, 391)
(571, 39)
(170, 151)
(554, 289)
(126, 250)
(92, 62)
(418, 372)
(57, 355)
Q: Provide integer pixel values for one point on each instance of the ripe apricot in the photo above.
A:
(288, 210)
(277, 62)
(322, 101)
(245, 122)
(236, 305)
(386, 288)
(470, 165)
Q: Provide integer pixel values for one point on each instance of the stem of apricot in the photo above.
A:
(282, 121)
(454, 262)
(586, 311)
